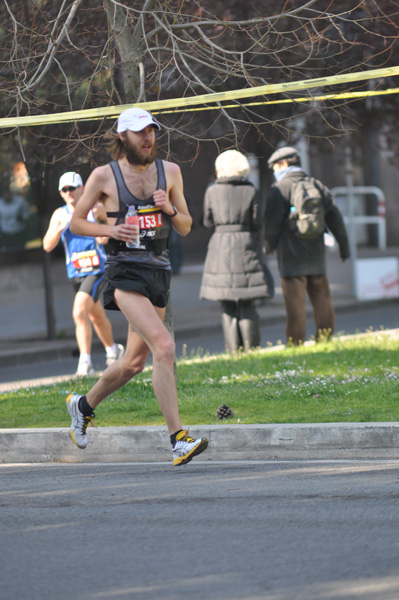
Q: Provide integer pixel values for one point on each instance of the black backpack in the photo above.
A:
(306, 216)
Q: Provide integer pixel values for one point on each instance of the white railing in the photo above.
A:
(379, 219)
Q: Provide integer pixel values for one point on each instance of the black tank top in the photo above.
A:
(154, 224)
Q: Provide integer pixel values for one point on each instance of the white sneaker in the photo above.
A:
(85, 369)
(79, 421)
(120, 351)
(187, 447)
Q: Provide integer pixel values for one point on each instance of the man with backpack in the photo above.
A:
(299, 209)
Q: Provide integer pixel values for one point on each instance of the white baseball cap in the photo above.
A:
(135, 119)
(70, 179)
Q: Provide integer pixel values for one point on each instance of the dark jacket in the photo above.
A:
(295, 256)
(234, 266)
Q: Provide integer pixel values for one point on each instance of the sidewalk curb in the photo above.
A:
(312, 441)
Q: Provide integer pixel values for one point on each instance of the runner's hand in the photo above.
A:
(125, 232)
(161, 200)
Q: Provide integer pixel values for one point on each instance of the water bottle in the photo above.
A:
(292, 221)
(133, 219)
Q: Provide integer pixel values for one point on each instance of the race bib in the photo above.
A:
(150, 218)
(86, 261)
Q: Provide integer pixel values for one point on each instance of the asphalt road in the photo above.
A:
(361, 320)
(209, 531)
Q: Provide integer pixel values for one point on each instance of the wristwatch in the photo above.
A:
(174, 212)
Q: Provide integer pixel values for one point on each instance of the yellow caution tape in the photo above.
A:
(343, 96)
(174, 103)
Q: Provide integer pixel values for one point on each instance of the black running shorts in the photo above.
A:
(152, 283)
(90, 284)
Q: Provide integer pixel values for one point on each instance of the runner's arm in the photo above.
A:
(95, 190)
(100, 215)
(182, 221)
(58, 222)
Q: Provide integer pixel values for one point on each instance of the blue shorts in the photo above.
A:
(90, 284)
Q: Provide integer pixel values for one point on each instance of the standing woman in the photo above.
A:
(235, 273)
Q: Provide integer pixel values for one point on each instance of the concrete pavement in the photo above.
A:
(23, 338)
(226, 442)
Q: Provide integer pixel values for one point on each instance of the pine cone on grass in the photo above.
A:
(224, 412)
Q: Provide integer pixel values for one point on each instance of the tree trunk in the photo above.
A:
(128, 44)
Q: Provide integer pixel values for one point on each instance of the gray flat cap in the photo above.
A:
(282, 153)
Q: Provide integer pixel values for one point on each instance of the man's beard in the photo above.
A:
(134, 157)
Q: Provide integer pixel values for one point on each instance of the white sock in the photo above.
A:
(85, 358)
(111, 350)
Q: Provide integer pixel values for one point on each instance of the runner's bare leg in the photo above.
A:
(147, 333)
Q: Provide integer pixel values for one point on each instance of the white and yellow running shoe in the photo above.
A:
(187, 447)
(79, 421)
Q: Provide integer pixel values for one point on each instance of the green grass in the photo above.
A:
(352, 379)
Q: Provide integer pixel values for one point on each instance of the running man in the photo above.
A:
(138, 279)
(85, 259)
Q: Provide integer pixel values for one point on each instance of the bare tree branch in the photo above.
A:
(67, 54)
(45, 63)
